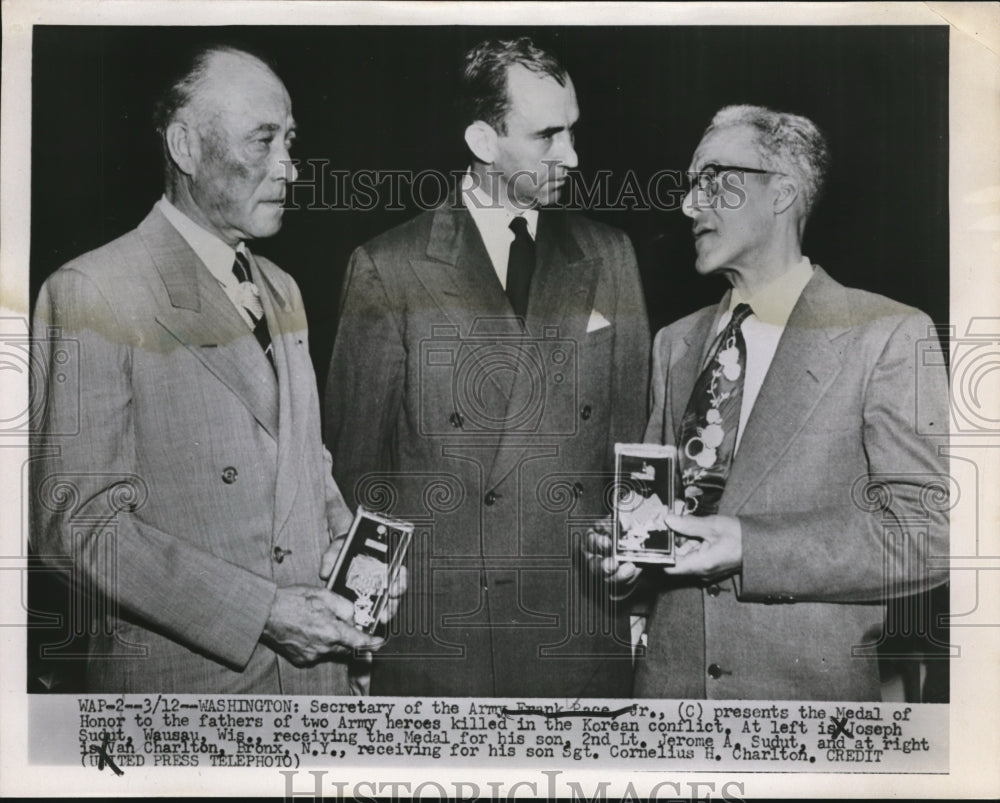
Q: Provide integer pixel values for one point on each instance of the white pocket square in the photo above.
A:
(597, 321)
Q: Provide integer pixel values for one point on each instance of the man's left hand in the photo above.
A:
(713, 545)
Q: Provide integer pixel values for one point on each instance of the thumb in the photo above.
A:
(695, 526)
(341, 608)
(350, 636)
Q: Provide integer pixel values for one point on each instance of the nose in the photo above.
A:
(567, 153)
(687, 207)
(284, 166)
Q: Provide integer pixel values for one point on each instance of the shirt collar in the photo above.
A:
(773, 303)
(489, 214)
(217, 255)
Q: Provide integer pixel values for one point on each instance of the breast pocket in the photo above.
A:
(599, 337)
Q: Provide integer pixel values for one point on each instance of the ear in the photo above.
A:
(788, 191)
(482, 138)
(182, 142)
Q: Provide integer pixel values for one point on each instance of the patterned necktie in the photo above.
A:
(712, 418)
(520, 266)
(249, 297)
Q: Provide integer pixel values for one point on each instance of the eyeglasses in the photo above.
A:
(707, 179)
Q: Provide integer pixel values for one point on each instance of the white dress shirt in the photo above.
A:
(216, 255)
(493, 219)
(772, 304)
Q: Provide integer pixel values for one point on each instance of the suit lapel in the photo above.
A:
(805, 364)
(459, 276)
(204, 320)
(559, 305)
(563, 282)
(458, 273)
(288, 340)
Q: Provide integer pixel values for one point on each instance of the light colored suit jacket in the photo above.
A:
(841, 489)
(179, 466)
(498, 445)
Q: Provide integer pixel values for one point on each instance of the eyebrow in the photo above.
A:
(555, 129)
(705, 165)
(271, 128)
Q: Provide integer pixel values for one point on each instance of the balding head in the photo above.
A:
(204, 66)
(226, 125)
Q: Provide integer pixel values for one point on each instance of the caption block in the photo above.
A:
(293, 732)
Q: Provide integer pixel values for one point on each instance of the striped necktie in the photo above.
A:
(250, 299)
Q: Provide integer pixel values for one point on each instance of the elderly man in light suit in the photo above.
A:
(810, 469)
(490, 353)
(195, 492)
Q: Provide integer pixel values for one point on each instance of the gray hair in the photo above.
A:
(787, 142)
(182, 89)
(185, 83)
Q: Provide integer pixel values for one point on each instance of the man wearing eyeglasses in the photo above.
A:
(811, 491)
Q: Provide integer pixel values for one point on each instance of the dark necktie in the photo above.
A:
(241, 270)
(520, 266)
(712, 418)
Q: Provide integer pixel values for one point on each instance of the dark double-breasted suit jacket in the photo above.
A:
(497, 442)
(184, 478)
(841, 488)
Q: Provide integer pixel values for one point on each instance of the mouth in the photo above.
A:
(700, 231)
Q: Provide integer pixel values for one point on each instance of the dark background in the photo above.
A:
(380, 98)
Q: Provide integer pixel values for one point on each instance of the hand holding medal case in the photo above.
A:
(368, 564)
(645, 479)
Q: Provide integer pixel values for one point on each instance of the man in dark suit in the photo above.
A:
(187, 478)
(490, 353)
(809, 444)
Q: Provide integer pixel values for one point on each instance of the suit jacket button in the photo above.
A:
(577, 490)
(585, 412)
(229, 475)
(490, 499)
(713, 590)
(714, 671)
(279, 554)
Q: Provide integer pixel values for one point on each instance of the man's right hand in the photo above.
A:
(307, 624)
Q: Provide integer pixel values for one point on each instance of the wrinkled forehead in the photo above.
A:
(731, 145)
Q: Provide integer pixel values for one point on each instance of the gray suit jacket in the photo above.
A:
(498, 445)
(841, 489)
(179, 465)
